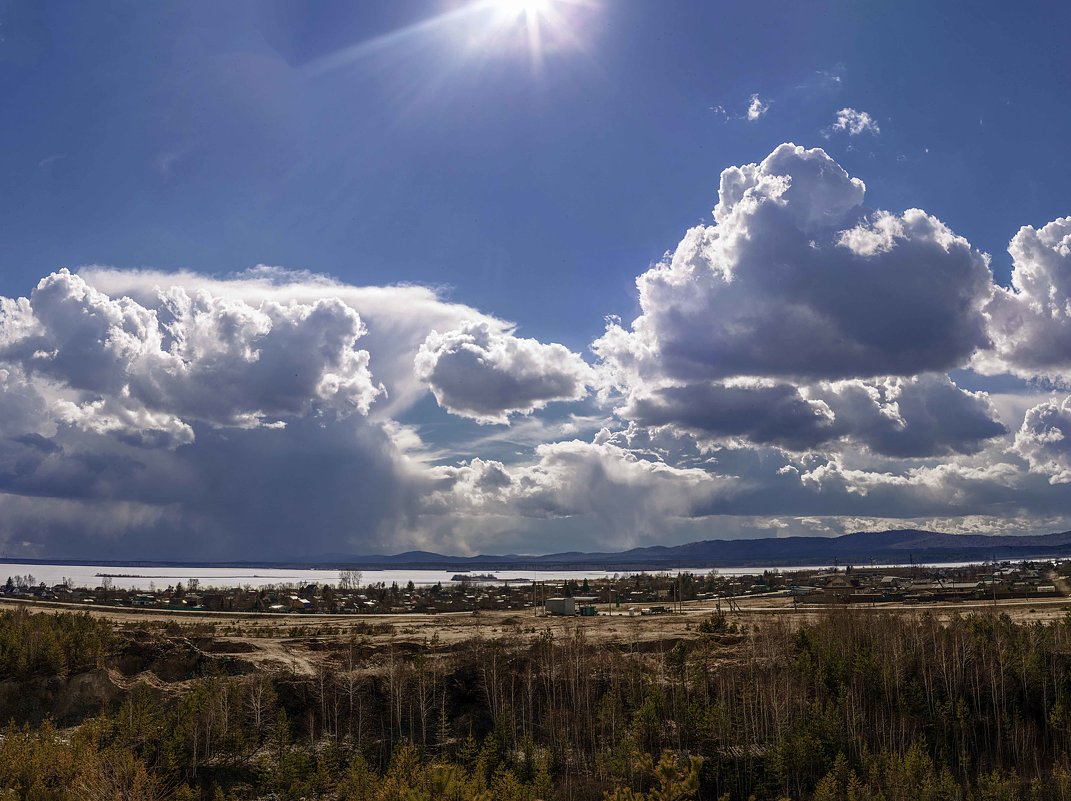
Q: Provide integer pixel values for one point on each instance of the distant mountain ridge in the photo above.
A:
(900, 546)
(882, 547)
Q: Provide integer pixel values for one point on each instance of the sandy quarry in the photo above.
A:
(284, 638)
(165, 650)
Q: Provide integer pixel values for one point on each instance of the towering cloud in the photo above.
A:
(396, 319)
(197, 357)
(794, 280)
(179, 414)
(1031, 322)
(798, 319)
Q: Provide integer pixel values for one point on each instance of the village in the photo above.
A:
(630, 594)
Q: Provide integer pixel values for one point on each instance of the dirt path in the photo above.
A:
(280, 654)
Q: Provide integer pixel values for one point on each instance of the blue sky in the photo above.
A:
(427, 143)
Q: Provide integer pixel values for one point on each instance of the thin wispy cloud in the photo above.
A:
(753, 111)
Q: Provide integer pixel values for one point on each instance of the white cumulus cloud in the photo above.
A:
(795, 280)
(396, 319)
(216, 417)
(1030, 323)
(788, 371)
(487, 375)
(619, 496)
(1044, 440)
(196, 356)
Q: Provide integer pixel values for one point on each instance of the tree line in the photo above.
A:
(851, 706)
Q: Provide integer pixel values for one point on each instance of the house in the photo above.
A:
(560, 606)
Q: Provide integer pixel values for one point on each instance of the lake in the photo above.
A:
(145, 578)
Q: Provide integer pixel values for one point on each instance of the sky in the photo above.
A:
(289, 281)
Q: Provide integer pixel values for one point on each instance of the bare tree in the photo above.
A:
(259, 701)
(349, 579)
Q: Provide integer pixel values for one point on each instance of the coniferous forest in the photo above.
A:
(844, 706)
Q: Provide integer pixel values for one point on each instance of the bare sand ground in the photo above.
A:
(611, 625)
(307, 644)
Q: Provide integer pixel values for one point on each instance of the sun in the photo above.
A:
(527, 8)
(530, 14)
(541, 24)
(482, 28)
